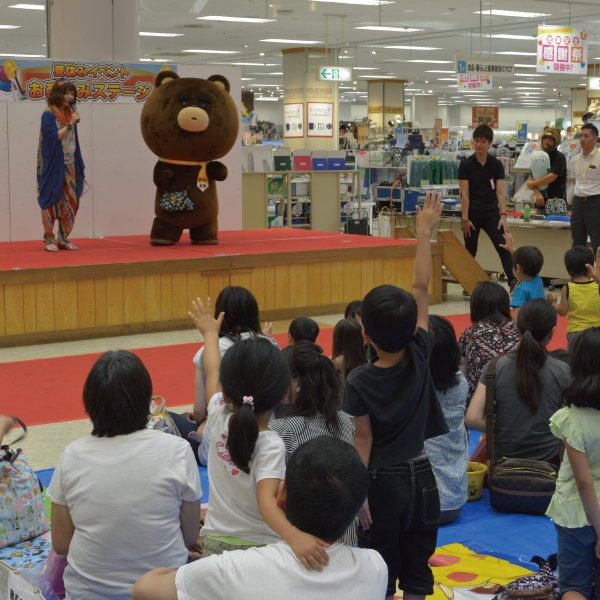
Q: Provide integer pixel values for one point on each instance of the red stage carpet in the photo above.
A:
(49, 390)
(31, 255)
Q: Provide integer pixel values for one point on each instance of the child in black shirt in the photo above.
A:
(396, 409)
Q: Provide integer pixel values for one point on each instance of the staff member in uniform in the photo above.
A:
(481, 181)
(585, 170)
(556, 180)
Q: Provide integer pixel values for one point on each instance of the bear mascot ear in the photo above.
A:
(220, 81)
(165, 77)
(546, 127)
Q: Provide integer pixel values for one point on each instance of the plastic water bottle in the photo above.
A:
(527, 211)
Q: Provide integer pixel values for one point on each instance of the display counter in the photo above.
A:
(553, 238)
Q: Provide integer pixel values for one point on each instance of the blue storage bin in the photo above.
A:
(336, 164)
(319, 164)
(384, 193)
(411, 199)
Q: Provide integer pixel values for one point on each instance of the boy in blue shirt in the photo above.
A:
(527, 264)
(396, 408)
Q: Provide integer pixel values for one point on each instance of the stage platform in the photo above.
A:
(123, 285)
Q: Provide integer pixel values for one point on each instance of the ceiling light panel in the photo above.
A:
(156, 34)
(512, 13)
(213, 52)
(236, 19)
(383, 28)
(9, 26)
(301, 42)
(28, 7)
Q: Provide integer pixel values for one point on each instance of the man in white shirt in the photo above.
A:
(326, 484)
(585, 171)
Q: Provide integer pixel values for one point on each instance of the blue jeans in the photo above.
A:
(578, 567)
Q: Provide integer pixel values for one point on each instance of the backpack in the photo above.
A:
(545, 582)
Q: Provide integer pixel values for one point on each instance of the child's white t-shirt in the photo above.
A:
(233, 508)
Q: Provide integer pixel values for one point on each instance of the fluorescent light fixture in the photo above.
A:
(511, 13)
(158, 60)
(528, 88)
(378, 76)
(525, 66)
(359, 2)
(9, 26)
(266, 74)
(243, 64)
(384, 28)
(366, 69)
(529, 74)
(415, 90)
(214, 52)
(276, 41)
(236, 19)
(262, 85)
(420, 60)
(513, 53)
(156, 34)
(405, 47)
(508, 36)
(28, 7)
(452, 72)
(268, 99)
(247, 78)
(23, 55)
(530, 82)
(446, 79)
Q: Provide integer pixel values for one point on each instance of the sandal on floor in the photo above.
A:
(67, 246)
(51, 247)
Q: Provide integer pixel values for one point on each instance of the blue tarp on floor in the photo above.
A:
(521, 536)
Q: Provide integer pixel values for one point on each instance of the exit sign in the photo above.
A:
(335, 73)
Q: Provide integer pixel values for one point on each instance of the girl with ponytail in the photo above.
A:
(528, 389)
(246, 460)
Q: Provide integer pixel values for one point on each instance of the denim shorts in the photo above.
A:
(405, 509)
(578, 567)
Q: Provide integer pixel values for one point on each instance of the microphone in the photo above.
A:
(72, 104)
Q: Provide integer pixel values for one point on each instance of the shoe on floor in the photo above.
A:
(465, 293)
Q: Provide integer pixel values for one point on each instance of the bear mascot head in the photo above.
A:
(188, 123)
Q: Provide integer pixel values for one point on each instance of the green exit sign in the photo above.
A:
(335, 73)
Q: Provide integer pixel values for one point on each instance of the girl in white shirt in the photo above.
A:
(246, 461)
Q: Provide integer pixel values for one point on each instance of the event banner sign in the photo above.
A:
(562, 50)
(31, 80)
(485, 115)
(363, 133)
(293, 120)
(437, 132)
(320, 119)
(473, 81)
(521, 133)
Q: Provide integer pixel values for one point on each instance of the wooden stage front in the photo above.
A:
(122, 286)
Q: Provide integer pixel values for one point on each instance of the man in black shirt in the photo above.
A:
(557, 178)
(481, 181)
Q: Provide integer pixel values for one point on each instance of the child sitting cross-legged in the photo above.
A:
(246, 460)
(527, 264)
(580, 298)
(396, 408)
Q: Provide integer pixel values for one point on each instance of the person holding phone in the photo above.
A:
(60, 168)
(481, 181)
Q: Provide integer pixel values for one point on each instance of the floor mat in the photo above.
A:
(49, 390)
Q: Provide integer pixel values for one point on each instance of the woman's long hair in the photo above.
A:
(320, 385)
(536, 320)
(446, 357)
(253, 368)
(348, 342)
(58, 91)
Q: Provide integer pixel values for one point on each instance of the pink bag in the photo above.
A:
(55, 567)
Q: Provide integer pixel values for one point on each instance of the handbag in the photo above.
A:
(516, 485)
(556, 206)
(22, 511)
(542, 585)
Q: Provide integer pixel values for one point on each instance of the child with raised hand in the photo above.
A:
(396, 408)
(246, 460)
(348, 346)
(574, 507)
(527, 264)
(580, 298)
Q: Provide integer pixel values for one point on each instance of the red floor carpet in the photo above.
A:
(49, 390)
(31, 255)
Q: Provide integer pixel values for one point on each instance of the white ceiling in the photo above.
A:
(450, 25)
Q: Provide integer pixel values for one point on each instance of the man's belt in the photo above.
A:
(585, 198)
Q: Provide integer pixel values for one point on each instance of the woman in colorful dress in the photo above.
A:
(60, 168)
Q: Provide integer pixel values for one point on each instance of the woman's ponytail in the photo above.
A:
(255, 377)
(536, 320)
(243, 433)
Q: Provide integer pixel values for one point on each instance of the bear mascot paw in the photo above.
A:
(189, 124)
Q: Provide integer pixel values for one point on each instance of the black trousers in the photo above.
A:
(585, 220)
(488, 220)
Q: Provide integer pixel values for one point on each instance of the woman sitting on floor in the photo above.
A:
(449, 453)
(528, 389)
(126, 498)
(493, 332)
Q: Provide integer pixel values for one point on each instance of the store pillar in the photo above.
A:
(579, 104)
(94, 30)
(385, 101)
(303, 93)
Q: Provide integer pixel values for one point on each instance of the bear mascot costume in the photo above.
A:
(188, 123)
